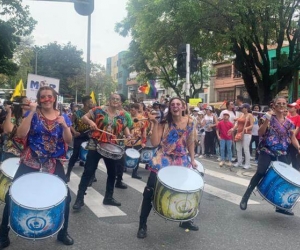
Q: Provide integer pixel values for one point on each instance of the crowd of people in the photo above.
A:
(40, 135)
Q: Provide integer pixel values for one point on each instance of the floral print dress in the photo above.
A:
(172, 150)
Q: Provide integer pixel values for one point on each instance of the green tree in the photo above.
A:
(17, 23)
(63, 62)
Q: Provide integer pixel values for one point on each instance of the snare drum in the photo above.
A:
(8, 168)
(37, 205)
(132, 157)
(281, 185)
(69, 153)
(177, 194)
(83, 152)
(109, 150)
(147, 152)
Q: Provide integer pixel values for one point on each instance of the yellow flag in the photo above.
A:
(93, 97)
(18, 91)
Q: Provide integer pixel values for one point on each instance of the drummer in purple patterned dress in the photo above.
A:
(108, 124)
(175, 138)
(48, 134)
(276, 134)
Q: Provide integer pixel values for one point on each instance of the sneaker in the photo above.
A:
(237, 165)
(219, 159)
(221, 163)
(246, 167)
(189, 225)
(196, 155)
(252, 158)
(200, 156)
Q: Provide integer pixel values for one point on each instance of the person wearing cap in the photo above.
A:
(243, 126)
(210, 121)
(276, 134)
(295, 118)
(225, 137)
(230, 110)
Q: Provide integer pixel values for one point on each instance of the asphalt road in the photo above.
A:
(222, 224)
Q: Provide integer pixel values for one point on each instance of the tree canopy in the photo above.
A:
(214, 28)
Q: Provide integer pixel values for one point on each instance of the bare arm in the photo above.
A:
(24, 127)
(7, 124)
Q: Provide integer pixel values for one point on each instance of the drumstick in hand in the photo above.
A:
(105, 132)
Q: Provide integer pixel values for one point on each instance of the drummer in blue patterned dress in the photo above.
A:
(48, 134)
(175, 138)
(276, 134)
(108, 125)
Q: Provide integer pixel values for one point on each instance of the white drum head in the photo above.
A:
(10, 166)
(287, 172)
(38, 190)
(84, 144)
(180, 178)
(111, 147)
(132, 153)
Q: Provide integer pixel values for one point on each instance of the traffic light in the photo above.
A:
(84, 7)
(181, 61)
(194, 63)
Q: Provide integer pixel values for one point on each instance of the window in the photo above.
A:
(226, 95)
(273, 63)
(224, 72)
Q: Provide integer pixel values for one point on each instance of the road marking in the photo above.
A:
(228, 196)
(226, 177)
(233, 198)
(93, 200)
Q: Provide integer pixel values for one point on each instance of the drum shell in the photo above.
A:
(83, 151)
(132, 157)
(5, 177)
(278, 190)
(147, 154)
(175, 204)
(104, 149)
(36, 222)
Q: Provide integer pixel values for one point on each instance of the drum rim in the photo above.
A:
(179, 190)
(43, 208)
(1, 169)
(283, 177)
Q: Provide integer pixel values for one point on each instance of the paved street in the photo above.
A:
(222, 224)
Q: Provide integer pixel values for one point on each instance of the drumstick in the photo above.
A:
(104, 131)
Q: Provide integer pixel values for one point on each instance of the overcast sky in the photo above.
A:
(58, 21)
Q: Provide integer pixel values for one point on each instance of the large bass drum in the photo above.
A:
(37, 205)
(178, 193)
(281, 185)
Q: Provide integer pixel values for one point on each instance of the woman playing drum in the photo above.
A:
(175, 139)
(276, 134)
(48, 133)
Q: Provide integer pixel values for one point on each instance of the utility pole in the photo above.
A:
(88, 56)
(187, 79)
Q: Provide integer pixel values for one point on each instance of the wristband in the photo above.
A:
(268, 116)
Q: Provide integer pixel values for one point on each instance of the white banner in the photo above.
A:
(34, 82)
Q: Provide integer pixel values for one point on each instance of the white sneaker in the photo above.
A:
(196, 155)
(229, 164)
(200, 156)
(221, 163)
(219, 159)
(246, 167)
(252, 158)
(236, 165)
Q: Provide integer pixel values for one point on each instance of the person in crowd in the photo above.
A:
(230, 110)
(48, 134)
(157, 112)
(200, 135)
(238, 106)
(243, 127)
(138, 133)
(108, 124)
(13, 146)
(175, 137)
(254, 134)
(210, 121)
(80, 132)
(225, 137)
(295, 118)
(277, 133)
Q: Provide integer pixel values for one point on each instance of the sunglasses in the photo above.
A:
(46, 98)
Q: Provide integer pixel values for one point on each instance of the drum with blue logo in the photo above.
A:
(132, 157)
(83, 151)
(281, 185)
(148, 152)
(37, 205)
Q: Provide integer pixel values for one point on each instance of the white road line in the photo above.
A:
(93, 200)
(226, 177)
(233, 198)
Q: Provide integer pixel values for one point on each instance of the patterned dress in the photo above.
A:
(45, 143)
(172, 150)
